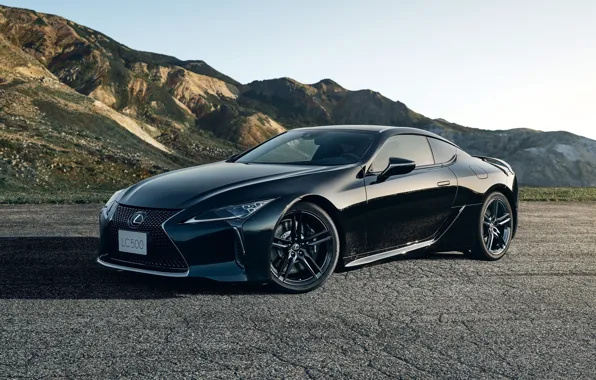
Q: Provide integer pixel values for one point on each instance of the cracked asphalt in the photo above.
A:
(530, 315)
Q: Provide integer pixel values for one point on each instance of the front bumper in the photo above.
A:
(139, 270)
(210, 250)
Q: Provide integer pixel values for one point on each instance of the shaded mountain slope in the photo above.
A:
(295, 104)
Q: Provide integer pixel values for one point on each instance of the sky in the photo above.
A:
(483, 64)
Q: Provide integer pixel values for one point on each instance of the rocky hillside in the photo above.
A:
(52, 136)
(78, 109)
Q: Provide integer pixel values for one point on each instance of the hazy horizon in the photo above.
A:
(491, 66)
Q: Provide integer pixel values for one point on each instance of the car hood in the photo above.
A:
(182, 188)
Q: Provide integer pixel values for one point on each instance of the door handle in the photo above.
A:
(443, 183)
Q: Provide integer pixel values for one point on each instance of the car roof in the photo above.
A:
(370, 128)
(391, 130)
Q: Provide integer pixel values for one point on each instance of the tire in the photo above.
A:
(495, 228)
(304, 249)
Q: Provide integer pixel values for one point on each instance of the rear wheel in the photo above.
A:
(304, 250)
(495, 228)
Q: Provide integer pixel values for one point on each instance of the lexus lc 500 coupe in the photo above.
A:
(292, 209)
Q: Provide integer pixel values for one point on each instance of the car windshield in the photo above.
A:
(325, 147)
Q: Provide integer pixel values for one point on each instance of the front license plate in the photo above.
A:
(132, 242)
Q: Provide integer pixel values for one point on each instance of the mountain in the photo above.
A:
(78, 109)
(539, 158)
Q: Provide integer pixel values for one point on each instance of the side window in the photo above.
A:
(410, 147)
(442, 151)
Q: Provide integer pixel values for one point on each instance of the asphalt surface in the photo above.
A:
(530, 315)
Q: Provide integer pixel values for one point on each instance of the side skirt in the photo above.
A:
(405, 249)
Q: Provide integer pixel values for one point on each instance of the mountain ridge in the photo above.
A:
(170, 113)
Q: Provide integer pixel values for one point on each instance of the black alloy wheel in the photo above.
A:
(304, 250)
(495, 229)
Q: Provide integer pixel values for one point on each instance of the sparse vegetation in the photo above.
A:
(67, 196)
(55, 197)
(558, 194)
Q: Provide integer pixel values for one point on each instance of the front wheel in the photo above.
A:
(495, 228)
(304, 249)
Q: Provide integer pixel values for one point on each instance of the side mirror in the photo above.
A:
(396, 166)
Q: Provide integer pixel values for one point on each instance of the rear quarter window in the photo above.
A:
(443, 152)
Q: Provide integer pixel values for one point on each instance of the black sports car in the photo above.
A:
(292, 208)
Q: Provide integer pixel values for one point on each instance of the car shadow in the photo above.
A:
(65, 268)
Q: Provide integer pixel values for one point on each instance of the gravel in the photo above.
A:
(529, 315)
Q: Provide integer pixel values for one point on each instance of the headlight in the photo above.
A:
(110, 203)
(242, 211)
